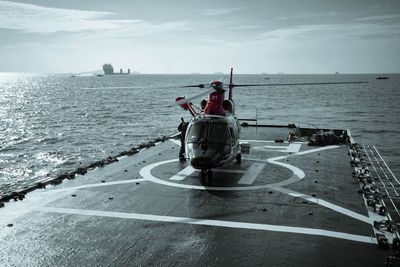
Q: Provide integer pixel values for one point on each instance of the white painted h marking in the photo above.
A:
(183, 174)
(250, 176)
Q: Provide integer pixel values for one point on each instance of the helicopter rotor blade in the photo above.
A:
(130, 87)
(109, 87)
(187, 100)
(201, 85)
(287, 84)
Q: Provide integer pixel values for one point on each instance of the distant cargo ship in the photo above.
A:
(382, 78)
(109, 70)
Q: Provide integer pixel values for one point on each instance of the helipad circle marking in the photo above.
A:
(298, 174)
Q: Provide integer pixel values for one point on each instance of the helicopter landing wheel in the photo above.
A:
(239, 158)
(206, 176)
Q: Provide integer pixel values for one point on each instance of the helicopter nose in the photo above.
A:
(201, 162)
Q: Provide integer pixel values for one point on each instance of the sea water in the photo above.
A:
(54, 123)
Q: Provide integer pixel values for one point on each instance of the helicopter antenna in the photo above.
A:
(230, 84)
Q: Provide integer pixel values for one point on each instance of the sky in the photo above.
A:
(185, 36)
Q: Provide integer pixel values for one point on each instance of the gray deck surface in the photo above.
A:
(284, 205)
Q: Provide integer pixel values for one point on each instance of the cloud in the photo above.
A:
(245, 27)
(39, 46)
(383, 18)
(39, 19)
(138, 29)
(306, 15)
(334, 32)
(212, 41)
(220, 11)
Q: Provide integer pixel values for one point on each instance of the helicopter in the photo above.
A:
(213, 134)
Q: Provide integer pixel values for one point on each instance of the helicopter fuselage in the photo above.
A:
(212, 141)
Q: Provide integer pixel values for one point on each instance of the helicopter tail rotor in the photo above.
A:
(183, 100)
(185, 103)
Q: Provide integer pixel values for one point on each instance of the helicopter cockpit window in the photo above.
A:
(196, 132)
(218, 134)
(215, 133)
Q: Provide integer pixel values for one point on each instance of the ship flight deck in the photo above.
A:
(285, 204)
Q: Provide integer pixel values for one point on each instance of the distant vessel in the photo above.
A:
(109, 70)
(382, 78)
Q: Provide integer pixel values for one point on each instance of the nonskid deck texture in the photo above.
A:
(284, 205)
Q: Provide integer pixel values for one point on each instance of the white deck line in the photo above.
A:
(99, 185)
(385, 174)
(291, 148)
(183, 174)
(260, 141)
(217, 223)
(326, 204)
(252, 173)
(376, 171)
(316, 150)
(386, 165)
(296, 171)
(373, 215)
(384, 186)
(305, 152)
(276, 147)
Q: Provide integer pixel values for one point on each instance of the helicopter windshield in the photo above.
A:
(210, 132)
(217, 134)
(196, 132)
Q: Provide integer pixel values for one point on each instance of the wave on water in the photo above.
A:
(380, 131)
